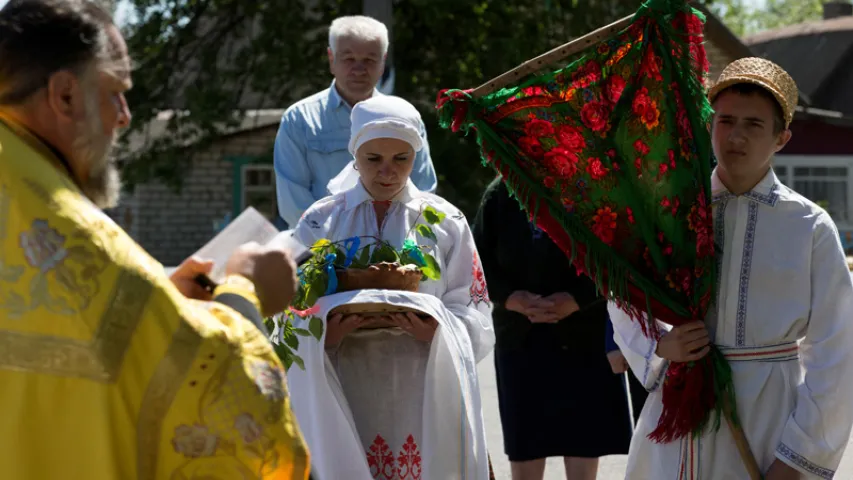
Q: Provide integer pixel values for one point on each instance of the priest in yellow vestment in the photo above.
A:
(107, 370)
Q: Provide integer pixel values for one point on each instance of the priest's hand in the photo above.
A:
(532, 306)
(271, 270)
(684, 343)
(338, 327)
(422, 329)
(617, 362)
(780, 470)
(184, 278)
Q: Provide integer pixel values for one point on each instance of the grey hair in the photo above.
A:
(41, 37)
(359, 27)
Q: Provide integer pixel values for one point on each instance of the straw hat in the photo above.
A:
(765, 74)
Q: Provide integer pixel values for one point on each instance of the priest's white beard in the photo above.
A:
(93, 149)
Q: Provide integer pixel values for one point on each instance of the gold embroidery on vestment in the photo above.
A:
(223, 441)
(164, 385)
(99, 359)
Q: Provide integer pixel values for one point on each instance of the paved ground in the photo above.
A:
(611, 468)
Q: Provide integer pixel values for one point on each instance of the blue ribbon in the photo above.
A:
(332, 286)
(411, 248)
(351, 244)
(418, 257)
(300, 274)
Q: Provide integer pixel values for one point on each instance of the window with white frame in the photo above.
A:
(258, 186)
(825, 180)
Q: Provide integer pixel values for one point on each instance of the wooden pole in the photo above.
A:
(741, 442)
(552, 56)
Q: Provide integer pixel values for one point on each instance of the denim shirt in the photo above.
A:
(311, 149)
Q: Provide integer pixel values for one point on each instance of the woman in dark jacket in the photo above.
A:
(557, 393)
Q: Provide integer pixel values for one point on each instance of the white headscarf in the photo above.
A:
(382, 116)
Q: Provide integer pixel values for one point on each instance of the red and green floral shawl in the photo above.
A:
(611, 157)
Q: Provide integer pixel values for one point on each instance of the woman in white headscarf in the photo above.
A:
(395, 403)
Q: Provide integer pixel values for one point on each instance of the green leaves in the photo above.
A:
(286, 344)
(292, 341)
(246, 52)
(743, 18)
(315, 326)
(322, 247)
(210, 58)
(384, 253)
(302, 332)
(433, 216)
(432, 271)
(313, 274)
(298, 361)
(340, 257)
(426, 232)
(363, 259)
(285, 354)
(316, 289)
(288, 357)
(407, 259)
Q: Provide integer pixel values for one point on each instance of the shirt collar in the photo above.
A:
(764, 192)
(335, 99)
(358, 195)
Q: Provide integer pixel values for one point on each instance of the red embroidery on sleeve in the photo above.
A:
(479, 290)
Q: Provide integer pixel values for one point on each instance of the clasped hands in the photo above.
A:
(539, 309)
(338, 326)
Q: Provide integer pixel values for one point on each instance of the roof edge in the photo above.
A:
(828, 116)
(733, 44)
(813, 27)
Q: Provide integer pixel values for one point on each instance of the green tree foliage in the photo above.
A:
(462, 44)
(745, 19)
(211, 59)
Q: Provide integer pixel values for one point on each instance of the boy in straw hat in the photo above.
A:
(783, 311)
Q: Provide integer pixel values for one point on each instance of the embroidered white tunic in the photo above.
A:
(784, 319)
(391, 391)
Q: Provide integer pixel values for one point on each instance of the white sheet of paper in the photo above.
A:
(249, 226)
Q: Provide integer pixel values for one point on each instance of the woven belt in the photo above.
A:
(690, 444)
(782, 352)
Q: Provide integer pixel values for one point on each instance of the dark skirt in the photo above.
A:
(555, 402)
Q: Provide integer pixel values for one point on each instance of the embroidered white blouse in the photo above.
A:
(784, 319)
(382, 372)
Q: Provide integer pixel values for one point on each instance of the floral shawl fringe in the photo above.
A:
(611, 157)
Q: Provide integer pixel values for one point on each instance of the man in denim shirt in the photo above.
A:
(311, 145)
